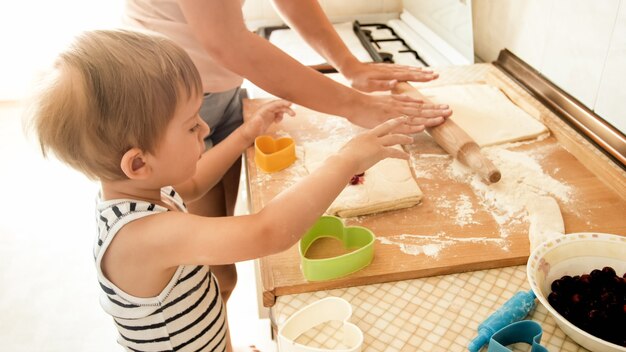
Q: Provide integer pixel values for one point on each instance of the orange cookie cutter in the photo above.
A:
(273, 155)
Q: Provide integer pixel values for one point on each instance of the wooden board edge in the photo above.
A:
(588, 154)
(267, 281)
(379, 279)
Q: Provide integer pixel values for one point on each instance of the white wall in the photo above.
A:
(611, 101)
(579, 45)
(33, 31)
(449, 19)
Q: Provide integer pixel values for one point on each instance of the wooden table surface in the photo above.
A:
(595, 202)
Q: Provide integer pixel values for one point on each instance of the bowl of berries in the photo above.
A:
(581, 280)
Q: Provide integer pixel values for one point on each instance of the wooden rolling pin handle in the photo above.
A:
(456, 142)
(460, 145)
(470, 155)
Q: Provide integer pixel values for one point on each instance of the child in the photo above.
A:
(122, 107)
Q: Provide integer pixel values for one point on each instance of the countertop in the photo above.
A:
(424, 310)
(439, 313)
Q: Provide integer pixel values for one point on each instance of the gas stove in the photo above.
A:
(438, 37)
(369, 42)
(406, 40)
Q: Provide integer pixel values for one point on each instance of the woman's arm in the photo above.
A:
(219, 26)
(309, 20)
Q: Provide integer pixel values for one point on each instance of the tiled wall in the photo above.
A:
(580, 45)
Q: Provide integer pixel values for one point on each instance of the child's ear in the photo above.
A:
(133, 164)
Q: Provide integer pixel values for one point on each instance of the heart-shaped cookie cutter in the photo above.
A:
(526, 331)
(273, 155)
(324, 310)
(342, 265)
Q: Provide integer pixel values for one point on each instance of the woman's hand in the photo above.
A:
(371, 77)
(375, 109)
(265, 116)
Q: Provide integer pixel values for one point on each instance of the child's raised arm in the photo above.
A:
(217, 160)
(286, 218)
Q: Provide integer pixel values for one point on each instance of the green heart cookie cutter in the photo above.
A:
(339, 266)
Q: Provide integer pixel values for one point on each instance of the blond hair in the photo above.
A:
(110, 91)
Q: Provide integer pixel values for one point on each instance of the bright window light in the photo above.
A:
(33, 31)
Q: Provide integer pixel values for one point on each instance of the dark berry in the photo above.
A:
(594, 302)
(553, 299)
(608, 299)
(557, 285)
(596, 273)
(596, 315)
(585, 279)
(357, 179)
(608, 271)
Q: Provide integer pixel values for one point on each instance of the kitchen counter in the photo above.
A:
(418, 302)
(439, 313)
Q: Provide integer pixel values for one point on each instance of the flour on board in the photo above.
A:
(431, 245)
(522, 179)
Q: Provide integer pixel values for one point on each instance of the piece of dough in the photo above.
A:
(546, 221)
(388, 185)
(485, 113)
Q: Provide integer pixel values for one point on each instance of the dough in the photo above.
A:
(388, 185)
(546, 221)
(485, 113)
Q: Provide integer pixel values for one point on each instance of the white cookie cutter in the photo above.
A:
(324, 310)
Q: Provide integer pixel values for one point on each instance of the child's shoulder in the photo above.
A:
(112, 211)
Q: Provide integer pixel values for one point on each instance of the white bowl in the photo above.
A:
(575, 254)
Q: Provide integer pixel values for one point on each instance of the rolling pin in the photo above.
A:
(455, 141)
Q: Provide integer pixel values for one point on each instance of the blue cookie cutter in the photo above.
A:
(526, 331)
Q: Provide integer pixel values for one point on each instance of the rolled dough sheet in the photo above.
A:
(485, 113)
(388, 185)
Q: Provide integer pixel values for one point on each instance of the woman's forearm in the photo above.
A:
(309, 20)
(219, 26)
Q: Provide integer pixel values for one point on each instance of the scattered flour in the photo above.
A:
(522, 180)
(431, 245)
(461, 210)
(464, 211)
(428, 165)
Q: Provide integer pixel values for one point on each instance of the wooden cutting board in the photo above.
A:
(477, 242)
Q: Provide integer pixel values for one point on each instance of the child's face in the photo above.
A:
(182, 144)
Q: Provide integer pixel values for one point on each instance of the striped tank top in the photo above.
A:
(188, 315)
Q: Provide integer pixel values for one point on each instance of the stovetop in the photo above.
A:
(369, 42)
(384, 45)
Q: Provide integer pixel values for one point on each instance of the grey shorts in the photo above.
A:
(223, 112)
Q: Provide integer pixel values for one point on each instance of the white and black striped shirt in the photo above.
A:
(188, 315)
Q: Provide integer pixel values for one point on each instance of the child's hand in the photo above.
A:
(267, 114)
(370, 147)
